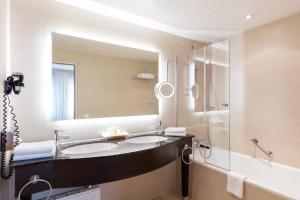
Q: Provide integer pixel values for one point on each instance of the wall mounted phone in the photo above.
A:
(9, 139)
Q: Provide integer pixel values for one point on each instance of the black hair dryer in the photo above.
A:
(14, 83)
(9, 139)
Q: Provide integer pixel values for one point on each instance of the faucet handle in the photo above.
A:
(57, 136)
(57, 130)
(56, 133)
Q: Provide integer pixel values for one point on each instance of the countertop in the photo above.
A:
(125, 161)
(123, 147)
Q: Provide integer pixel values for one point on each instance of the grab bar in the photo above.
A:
(268, 153)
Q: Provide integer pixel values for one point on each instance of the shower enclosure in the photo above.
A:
(203, 96)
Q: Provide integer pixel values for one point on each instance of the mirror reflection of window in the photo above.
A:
(63, 80)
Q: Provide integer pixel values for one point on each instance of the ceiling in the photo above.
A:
(206, 20)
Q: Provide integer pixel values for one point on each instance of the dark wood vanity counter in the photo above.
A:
(128, 161)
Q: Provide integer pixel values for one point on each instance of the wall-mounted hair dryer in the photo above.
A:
(9, 139)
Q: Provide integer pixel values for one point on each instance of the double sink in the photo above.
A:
(97, 161)
(91, 148)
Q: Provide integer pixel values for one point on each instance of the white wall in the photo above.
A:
(4, 45)
(4, 36)
(31, 54)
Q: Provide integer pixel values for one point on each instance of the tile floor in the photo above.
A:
(168, 196)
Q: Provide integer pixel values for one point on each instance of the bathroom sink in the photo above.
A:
(146, 139)
(89, 148)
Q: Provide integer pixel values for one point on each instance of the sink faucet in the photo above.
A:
(57, 138)
(160, 127)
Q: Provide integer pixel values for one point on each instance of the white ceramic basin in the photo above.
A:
(146, 139)
(89, 148)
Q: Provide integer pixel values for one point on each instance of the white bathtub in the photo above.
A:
(279, 179)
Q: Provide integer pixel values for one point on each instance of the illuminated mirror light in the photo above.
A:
(100, 38)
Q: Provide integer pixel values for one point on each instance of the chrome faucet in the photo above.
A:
(58, 137)
(160, 127)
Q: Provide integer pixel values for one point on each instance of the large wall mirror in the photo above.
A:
(93, 79)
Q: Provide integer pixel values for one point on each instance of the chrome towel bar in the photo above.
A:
(268, 153)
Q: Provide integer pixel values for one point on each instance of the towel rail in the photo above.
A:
(268, 153)
(33, 180)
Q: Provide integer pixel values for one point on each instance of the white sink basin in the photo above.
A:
(146, 139)
(89, 148)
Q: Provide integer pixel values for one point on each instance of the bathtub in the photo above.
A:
(278, 179)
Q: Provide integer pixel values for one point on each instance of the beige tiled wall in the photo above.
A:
(265, 83)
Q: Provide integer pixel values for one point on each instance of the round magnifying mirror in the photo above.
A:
(164, 90)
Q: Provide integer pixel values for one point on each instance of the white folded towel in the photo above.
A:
(34, 150)
(175, 131)
(235, 184)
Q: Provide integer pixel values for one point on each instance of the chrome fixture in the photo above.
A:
(164, 89)
(33, 180)
(160, 127)
(58, 138)
(268, 153)
(153, 130)
(187, 147)
(200, 143)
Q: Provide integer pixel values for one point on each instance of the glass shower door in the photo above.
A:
(203, 100)
(216, 122)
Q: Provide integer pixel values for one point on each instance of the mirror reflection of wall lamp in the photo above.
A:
(194, 88)
(158, 89)
(144, 76)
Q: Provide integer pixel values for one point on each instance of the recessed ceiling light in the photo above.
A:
(248, 17)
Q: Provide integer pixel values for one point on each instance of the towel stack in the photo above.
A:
(175, 131)
(34, 150)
